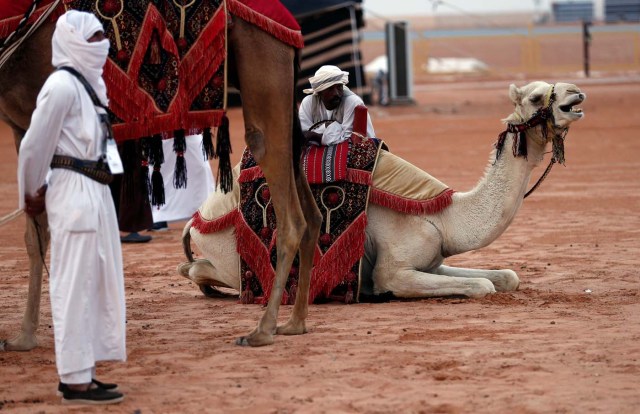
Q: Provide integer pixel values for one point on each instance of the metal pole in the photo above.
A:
(586, 40)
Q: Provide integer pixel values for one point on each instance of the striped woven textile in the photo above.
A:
(325, 164)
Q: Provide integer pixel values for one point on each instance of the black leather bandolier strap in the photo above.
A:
(96, 170)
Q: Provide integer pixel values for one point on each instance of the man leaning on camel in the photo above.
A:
(328, 113)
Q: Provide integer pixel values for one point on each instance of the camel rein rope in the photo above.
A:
(541, 179)
(14, 215)
(11, 216)
(9, 46)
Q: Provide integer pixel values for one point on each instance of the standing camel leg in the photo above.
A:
(20, 81)
(26, 339)
(313, 217)
(265, 69)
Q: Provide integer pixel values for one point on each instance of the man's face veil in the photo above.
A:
(71, 48)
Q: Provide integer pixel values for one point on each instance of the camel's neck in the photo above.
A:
(476, 218)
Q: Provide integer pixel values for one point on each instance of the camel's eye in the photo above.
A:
(535, 99)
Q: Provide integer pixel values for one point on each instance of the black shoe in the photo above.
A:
(104, 385)
(91, 396)
(160, 226)
(135, 238)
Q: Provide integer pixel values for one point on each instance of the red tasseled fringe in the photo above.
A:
(203, 119)
(284, 34)
(250, 174)
(256, 254)
(205, 226)
(339, 259)
(129, 103)
(359, 176)
(198, 65)
(410, 206)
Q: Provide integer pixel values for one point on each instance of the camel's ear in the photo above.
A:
(515, 94)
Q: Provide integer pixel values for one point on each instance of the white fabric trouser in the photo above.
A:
(79, 377)
(86, 285)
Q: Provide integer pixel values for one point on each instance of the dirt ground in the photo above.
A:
(567, 341)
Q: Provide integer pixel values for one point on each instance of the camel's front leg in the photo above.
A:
(290, 228)
(36, 249)
(265, 68)
(411, 283)
(296, 323)
(504, 280)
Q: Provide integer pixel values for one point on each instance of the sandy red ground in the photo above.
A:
(567, 341)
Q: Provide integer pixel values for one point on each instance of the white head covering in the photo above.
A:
(326, 77)
(70, 48)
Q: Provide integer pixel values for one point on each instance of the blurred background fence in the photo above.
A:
(521, 52)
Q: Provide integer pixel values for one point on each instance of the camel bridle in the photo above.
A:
(544, 118)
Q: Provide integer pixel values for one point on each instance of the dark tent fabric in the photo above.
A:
(303, 8)
(331, 37)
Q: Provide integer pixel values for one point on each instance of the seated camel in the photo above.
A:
(413, 266)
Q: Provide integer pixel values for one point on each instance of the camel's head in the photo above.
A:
(562, 98)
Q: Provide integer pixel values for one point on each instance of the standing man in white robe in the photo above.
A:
(327, 114)
(86, 280)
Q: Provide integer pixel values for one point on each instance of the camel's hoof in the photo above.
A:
(19, 343)
(291, 328)
(242, 341)
(211, 292)
(255, 340)
(183, 269)
(508, 281)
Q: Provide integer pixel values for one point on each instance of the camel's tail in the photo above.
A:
(186, 241)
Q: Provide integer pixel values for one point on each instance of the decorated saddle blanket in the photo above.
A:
(340, 247)
(165, 70)
(336, 273)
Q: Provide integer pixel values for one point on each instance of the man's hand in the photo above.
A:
(312, 136)
(34, 205)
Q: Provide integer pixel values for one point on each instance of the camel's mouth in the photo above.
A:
(570, 108)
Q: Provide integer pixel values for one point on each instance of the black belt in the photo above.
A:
(96, 170)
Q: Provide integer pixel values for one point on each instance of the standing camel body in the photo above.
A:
(271, 130)
(412, 266)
